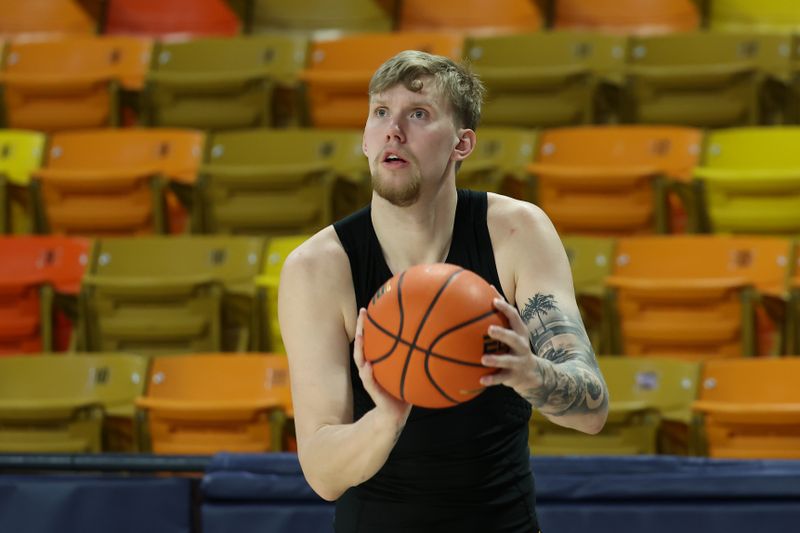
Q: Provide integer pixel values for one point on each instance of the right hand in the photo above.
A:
(398, 410)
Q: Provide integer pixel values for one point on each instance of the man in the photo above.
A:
(465, 468)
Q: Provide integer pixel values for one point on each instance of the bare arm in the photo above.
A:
(552, 364)
(334, 452)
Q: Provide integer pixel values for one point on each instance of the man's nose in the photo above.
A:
(394, 132)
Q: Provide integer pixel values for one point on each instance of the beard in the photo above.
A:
(402, 194)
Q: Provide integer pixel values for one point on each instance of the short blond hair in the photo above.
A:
(462, 88)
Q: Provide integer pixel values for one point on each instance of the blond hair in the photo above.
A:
(461, 88)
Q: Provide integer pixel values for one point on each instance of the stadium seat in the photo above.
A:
(224, 83)
(46, 18)
(749, 181)
(706, 79)
(279, 182)
(166, 295)
(751, 408)
(337, 79)
(39, 277)
(769, 16)
(171, 19)
(643, 392)
(695, 295)
(113, 182)
(471, 16)
(57, 404)
(192, 411)
(20, 154)
(591, 260)
(612, 180)
(70, 83)
(792, 314)
(267, 283)
(639, 17)
(499, 162)
(547, 78)
(321, 19)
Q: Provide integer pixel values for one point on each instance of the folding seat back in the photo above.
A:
(547, 78)
(192, 411)
(641, 17)
(20, 154)
(751, 408)
(612, 180)
(33, 269)
(280, 182)
(321, 18)
(45, 17)
(499, 162)
(771, 16)
(171, 19)
(338, 75)
(234, 82)
(472, 16)
(107, 182)
(705, 79)
(793, 309)
(750, 181)
(693, 295)
(70, 83)
(54, 403)
(267, 283)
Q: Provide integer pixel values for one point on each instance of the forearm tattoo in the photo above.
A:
(573, 384)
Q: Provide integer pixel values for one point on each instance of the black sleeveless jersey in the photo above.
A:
(464, 468)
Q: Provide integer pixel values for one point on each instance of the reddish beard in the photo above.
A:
(400, 195)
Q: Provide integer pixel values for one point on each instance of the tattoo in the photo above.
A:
(571, 379)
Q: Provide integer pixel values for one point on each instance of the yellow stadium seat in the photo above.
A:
(751, 408)
(170, 295)
(547, 78)
(267, 283)
(52, 403)
(225, 83)
(279, 182)
(192, 411)
(20, 154)
(612, 180)
(71, 83)
(749, 181)
(337, 78)
(693, 296)
(322, 19)
(643, 392)
(772, 16)
(499, 162)
(705, 79)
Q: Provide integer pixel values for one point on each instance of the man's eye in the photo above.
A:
(380, 112)
(419, 113)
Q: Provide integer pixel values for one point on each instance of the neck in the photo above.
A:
(416, 234)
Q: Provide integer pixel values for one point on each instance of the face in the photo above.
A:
(410, 141)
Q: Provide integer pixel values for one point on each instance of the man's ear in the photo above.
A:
(465, 146)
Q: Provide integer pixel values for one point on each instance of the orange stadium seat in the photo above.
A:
(471, 16)
(612, 180)
(321, 18)
(70, 83)
(37, 18)
(642, 17)
(192, 411)
(751, 408)
(693, 295)
(338, 77)
(34, 270)
(107, 182)
(793, 311)
(171, 18)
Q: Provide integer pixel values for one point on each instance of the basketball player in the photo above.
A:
(391, 468)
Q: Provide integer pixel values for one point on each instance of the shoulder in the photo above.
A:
(513, 221)
(319, 264)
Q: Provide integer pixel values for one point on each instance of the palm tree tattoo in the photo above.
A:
(572, 383)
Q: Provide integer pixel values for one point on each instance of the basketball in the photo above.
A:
(425, 332)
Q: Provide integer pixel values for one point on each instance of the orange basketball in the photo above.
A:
(425, 333)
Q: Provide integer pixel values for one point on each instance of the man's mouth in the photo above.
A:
(394, 160)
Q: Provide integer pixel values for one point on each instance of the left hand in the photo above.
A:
(519, 368)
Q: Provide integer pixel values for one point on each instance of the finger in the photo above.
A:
(501, 361)
(498, 378)
(517, 343)
(511, 313)
(358, 344)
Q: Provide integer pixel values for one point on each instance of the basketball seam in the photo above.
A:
(397, 339)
